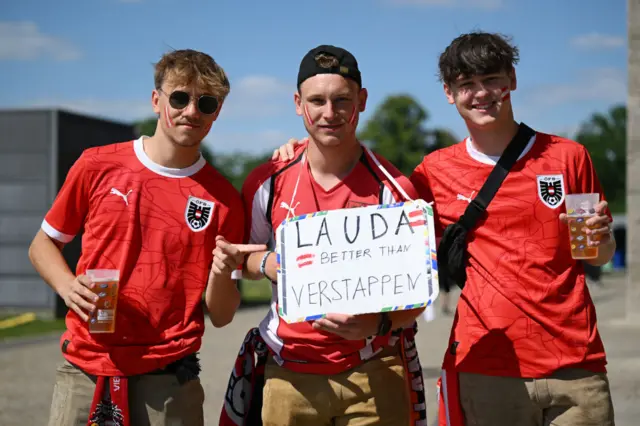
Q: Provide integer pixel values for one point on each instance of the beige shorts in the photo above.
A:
(154, 399)
(571, 397)
(374, 393)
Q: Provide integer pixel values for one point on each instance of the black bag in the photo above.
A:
(452, 251)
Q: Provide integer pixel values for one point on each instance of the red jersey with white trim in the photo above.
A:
(268, 194)
(157, 226)
(525, 310)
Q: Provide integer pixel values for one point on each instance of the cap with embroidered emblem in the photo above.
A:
(327, 59)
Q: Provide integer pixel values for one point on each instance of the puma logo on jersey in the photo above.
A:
(467, 199)
(291, 210)
(120, 194)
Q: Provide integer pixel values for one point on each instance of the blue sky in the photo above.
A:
(96, 56)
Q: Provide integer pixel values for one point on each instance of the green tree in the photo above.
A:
(146, 127)
(605, 137)
(397, 131)
(237, 166)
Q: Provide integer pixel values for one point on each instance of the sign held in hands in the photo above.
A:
(355, 261)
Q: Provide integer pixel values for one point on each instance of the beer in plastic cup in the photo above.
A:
(580, 208)
(106, 283)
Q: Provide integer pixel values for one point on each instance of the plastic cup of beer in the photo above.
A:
(581, 207)
(106, 285)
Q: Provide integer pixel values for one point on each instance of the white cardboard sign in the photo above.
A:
(358, 260)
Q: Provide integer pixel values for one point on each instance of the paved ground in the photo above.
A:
(27, 369)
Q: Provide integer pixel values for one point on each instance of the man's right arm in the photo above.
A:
(46, 256)
(63, 221)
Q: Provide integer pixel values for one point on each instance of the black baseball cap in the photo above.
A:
(335, 60)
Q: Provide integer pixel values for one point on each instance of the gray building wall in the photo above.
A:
(25, 192)
(37, 148)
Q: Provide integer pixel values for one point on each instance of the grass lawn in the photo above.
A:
(255, 291)
(39, 326)
(252, 292)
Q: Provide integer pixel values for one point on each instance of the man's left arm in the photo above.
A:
(599, 226)
(599, 229)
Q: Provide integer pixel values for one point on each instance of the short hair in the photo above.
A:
(477, 53)
(186, 67)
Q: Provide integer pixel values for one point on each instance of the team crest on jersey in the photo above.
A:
(198, 213)
(551, 190)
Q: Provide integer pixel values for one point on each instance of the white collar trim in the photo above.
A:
(492, 160)
(138, 147)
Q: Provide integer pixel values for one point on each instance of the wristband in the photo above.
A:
(263, 264)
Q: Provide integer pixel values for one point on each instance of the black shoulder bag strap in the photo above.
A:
(452, 251)
(479, 204)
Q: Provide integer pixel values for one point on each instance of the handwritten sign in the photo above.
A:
(355, 261)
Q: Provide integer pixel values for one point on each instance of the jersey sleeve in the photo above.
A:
(66, 217)
(586, 178)
(420, 180)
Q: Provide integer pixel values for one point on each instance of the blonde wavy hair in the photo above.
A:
(187, 67)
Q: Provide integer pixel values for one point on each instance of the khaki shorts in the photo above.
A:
(154, 400)
(374, 393)
(571, 397)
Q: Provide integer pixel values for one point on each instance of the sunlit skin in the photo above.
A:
(185, 127)
(331, 107)
(483, 101)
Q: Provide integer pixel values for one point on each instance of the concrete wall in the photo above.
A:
(25, 193)
(37, 149)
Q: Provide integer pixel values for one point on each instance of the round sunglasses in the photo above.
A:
(178, 99)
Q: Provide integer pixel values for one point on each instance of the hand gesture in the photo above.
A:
(79, 297)
(285, 152)
(598, 227)
(227, 256)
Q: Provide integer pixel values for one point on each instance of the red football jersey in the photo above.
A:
(268, 194)
(157, 226)
(525, 310)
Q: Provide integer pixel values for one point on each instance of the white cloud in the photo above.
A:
(594, 41)
(24, 41)
(250, 98)
(479, 4)
(604, 84)
(257, 96)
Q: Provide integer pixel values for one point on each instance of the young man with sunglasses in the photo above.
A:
(342, 369)
(156, 211)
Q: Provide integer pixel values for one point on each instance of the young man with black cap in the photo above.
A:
(341, 369)
(524, 349)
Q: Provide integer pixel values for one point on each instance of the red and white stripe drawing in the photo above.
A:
(305, 260)
(416, 218)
